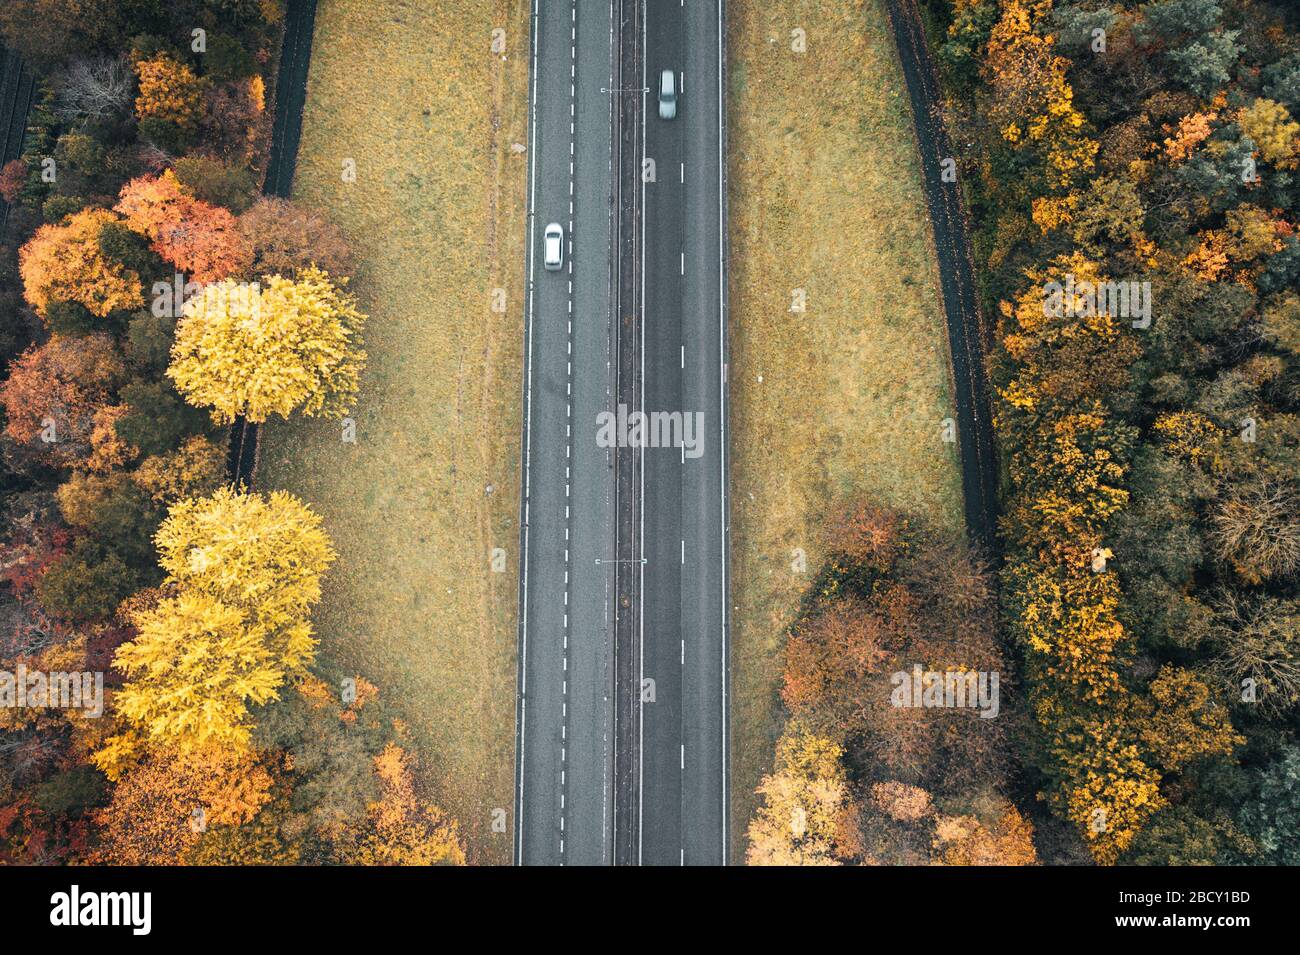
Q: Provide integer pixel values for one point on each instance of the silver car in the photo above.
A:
(553, 247)
(667, 94)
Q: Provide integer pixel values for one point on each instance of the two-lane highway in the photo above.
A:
(622, 716)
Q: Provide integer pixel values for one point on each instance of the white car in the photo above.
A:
(667, 94)
(553, 247)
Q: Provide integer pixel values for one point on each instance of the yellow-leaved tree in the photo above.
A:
(1033, 103)
(193, 668)
(244, 571)
(804, 804)
(264, 555)
(1275, 134)
(294, 345)
(168, 90)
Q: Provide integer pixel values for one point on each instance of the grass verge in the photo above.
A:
(846, 399)
(411, 94)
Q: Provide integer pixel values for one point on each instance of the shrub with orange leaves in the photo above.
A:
(902, 802)
(399, 828)
(866, 534)
(829, 657)
(964, 840)
(287, 238)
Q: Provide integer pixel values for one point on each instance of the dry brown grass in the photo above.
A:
(411, 93)
(845, 400)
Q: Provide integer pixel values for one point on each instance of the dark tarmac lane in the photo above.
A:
(683, 775)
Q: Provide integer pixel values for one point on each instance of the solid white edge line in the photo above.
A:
(528, 445)
(640, 776)
(722, 396)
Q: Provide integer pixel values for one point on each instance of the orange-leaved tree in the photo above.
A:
(54, 393)
(65, 263)
(200, 239)
(161, 808)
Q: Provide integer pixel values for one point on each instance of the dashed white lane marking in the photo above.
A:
(568, 425)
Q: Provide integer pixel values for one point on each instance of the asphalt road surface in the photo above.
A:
(683, 756)
(564, 796)
(672, 805)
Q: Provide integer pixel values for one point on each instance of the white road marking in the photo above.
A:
(607, 808)
(528, 454)
(568, 412)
